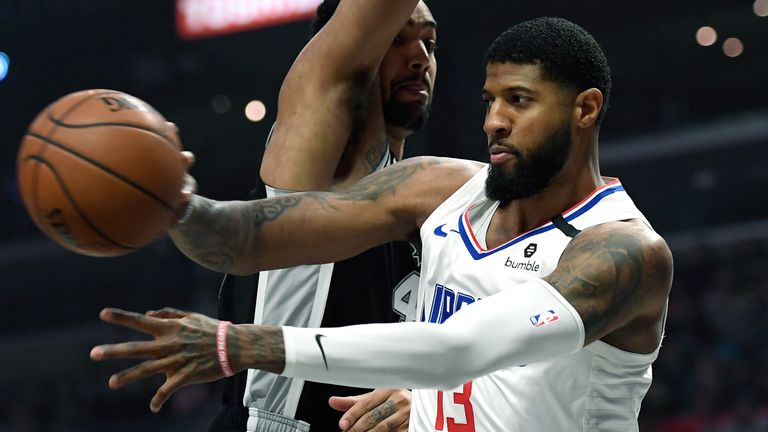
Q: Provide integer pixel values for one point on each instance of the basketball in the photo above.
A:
(100, 172)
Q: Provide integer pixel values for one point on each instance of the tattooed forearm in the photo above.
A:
(386, 181)
(599, 273)
(217, 234)
(256, 347)
(209, 239)
(228, 236)
(264, 211)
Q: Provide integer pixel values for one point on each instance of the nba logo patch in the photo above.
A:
(544, 318)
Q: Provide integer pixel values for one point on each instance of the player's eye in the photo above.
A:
(430, 45)
(519, 99)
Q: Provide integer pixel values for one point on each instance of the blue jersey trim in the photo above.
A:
(480, 254)
(594, 201)
(477, 255)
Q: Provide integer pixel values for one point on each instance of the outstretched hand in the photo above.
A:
(381, 410)
(184, 349)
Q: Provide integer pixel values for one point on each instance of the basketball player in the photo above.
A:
(543, 289)
(334, 80)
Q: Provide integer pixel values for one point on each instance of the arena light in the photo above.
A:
(761, 8)
(733, 47)
(5, 63)
(706, 36)
(255, 111)
(205, 18)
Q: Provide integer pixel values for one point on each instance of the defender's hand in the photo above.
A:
(381, 410)
(184, 350)
(189, 188)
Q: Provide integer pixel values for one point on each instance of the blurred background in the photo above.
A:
(687, 132)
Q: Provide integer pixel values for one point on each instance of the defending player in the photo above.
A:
(370, 73)
(543, 291)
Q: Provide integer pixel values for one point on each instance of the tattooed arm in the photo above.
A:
(617, 276)
(243, 237)
(329, 131)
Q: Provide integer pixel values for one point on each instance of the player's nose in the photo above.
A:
(495, 122)
(418, 57)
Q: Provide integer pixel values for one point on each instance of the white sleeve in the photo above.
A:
(522, 325)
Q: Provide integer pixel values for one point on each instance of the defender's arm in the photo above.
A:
(242, 237)
(330, 82)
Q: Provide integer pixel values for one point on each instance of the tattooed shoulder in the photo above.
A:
(609, 272)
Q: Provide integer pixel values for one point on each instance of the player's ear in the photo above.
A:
(587, 107)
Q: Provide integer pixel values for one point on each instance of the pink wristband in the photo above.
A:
(221, 348)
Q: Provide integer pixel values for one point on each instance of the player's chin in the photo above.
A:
(504, 165)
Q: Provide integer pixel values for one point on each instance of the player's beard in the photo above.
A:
(410, 116)
(532, 172)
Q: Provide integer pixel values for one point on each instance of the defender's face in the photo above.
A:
(408, 71)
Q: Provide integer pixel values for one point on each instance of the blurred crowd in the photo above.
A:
(709, 375)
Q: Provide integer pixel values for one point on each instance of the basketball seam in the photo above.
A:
(71, 199)
(104, 168)
(76, 106)
(100, 124)
(50, 132)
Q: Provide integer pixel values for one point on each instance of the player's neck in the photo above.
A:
(565, 191)
(396, 139)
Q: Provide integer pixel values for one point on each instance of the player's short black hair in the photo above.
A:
(566, 53)
(324, 12)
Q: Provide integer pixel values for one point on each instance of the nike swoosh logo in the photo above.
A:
(322, 351)
(440, 232)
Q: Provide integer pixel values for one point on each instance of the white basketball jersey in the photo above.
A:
(598, 388)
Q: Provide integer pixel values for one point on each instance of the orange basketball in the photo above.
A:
(100, 172)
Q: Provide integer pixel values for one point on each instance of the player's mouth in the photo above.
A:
(501, 154)
(414, 88)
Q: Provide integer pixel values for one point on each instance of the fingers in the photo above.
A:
(391, 414)
(167, 313)
(362, 405)
(343, 403)
(172, 126)
(131, 320)
(188, 190)
(190, 185)
(390, 424)
(188, 157)
(173, 383)
(141, 371)
(129, 350)
(386, 417)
